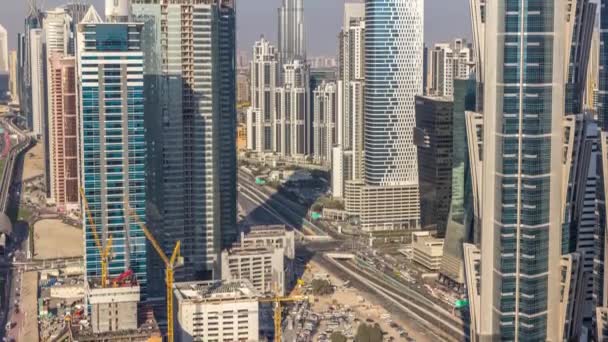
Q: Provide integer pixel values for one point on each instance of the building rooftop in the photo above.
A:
(250, 250)
(215, 291)
(266, 231)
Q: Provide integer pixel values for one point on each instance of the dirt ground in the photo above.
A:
(33, 164)
(30, 307)
(54, 239)
(364, 308)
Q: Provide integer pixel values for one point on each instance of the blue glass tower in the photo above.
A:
(113, 146)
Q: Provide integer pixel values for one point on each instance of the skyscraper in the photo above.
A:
(293, 110)
(63, 131)
(393, 77)
(448, 61)
(530, 281)
(325, 122)
(13, 70)
(350, 96)
(265, 131)
(33, 21)
(459, 228)
(38, 81)
(292, 41)
(433, 138)
(191, 117)
(112, 145)
(3, 50)
(57, 25)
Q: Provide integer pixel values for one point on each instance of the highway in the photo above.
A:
(259, 203)
(24, 142)
(17, 244)
(261, 207)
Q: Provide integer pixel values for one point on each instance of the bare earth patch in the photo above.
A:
(54, 239)
(33, 164)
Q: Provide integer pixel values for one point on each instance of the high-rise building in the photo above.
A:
(63, 132)
(13, 71)
(292, 37)
(446, 62)
(112, 145)
(393, 77)
(593, 72)
(600, 274)
(325, 122)
(3, 50)
(191, 118)
(529, 72)
(33, 21)
(433, 138)
(293, 111)
(459, 227)
(266, 129)
(57, 26)
(243, 88)
(38, 81)
(350, 87)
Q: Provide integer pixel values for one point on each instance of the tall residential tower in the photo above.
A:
(393, 77)
(190, 77)
(112, 145)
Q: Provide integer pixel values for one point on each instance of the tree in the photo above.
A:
(368, 333)
(337, 337)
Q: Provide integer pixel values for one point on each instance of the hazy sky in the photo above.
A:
(444, 20)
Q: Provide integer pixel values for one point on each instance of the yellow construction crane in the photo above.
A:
(104, 252)
(170, 266)
(278, 310)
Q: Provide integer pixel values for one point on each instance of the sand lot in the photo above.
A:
(33, 164)
(365, 307)
(54, 239)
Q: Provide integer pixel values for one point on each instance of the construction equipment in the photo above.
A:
(170, 265)
(278, 309)
(120, 280)
(104, 251)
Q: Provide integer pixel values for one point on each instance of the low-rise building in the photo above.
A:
(428, 250)
(113, 308)
(215, 311)
(263, 266)
(277, 236)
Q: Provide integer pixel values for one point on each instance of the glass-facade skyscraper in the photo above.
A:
(526, 50)
(112, 144)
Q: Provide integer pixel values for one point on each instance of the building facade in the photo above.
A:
(350, 96)
(293, 111)
(393, 77)
(522, 180)
(63, 133)
(459, 227)
(13, 85)
(3, 50)
(266, 127)
(433, 138)
(191, 118)
(446, 62)
(216, 311)
(38, 82)
(292, 38)
(57, 25)
(112, 145)
(325, 122)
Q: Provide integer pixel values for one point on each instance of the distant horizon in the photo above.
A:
(323, 22)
